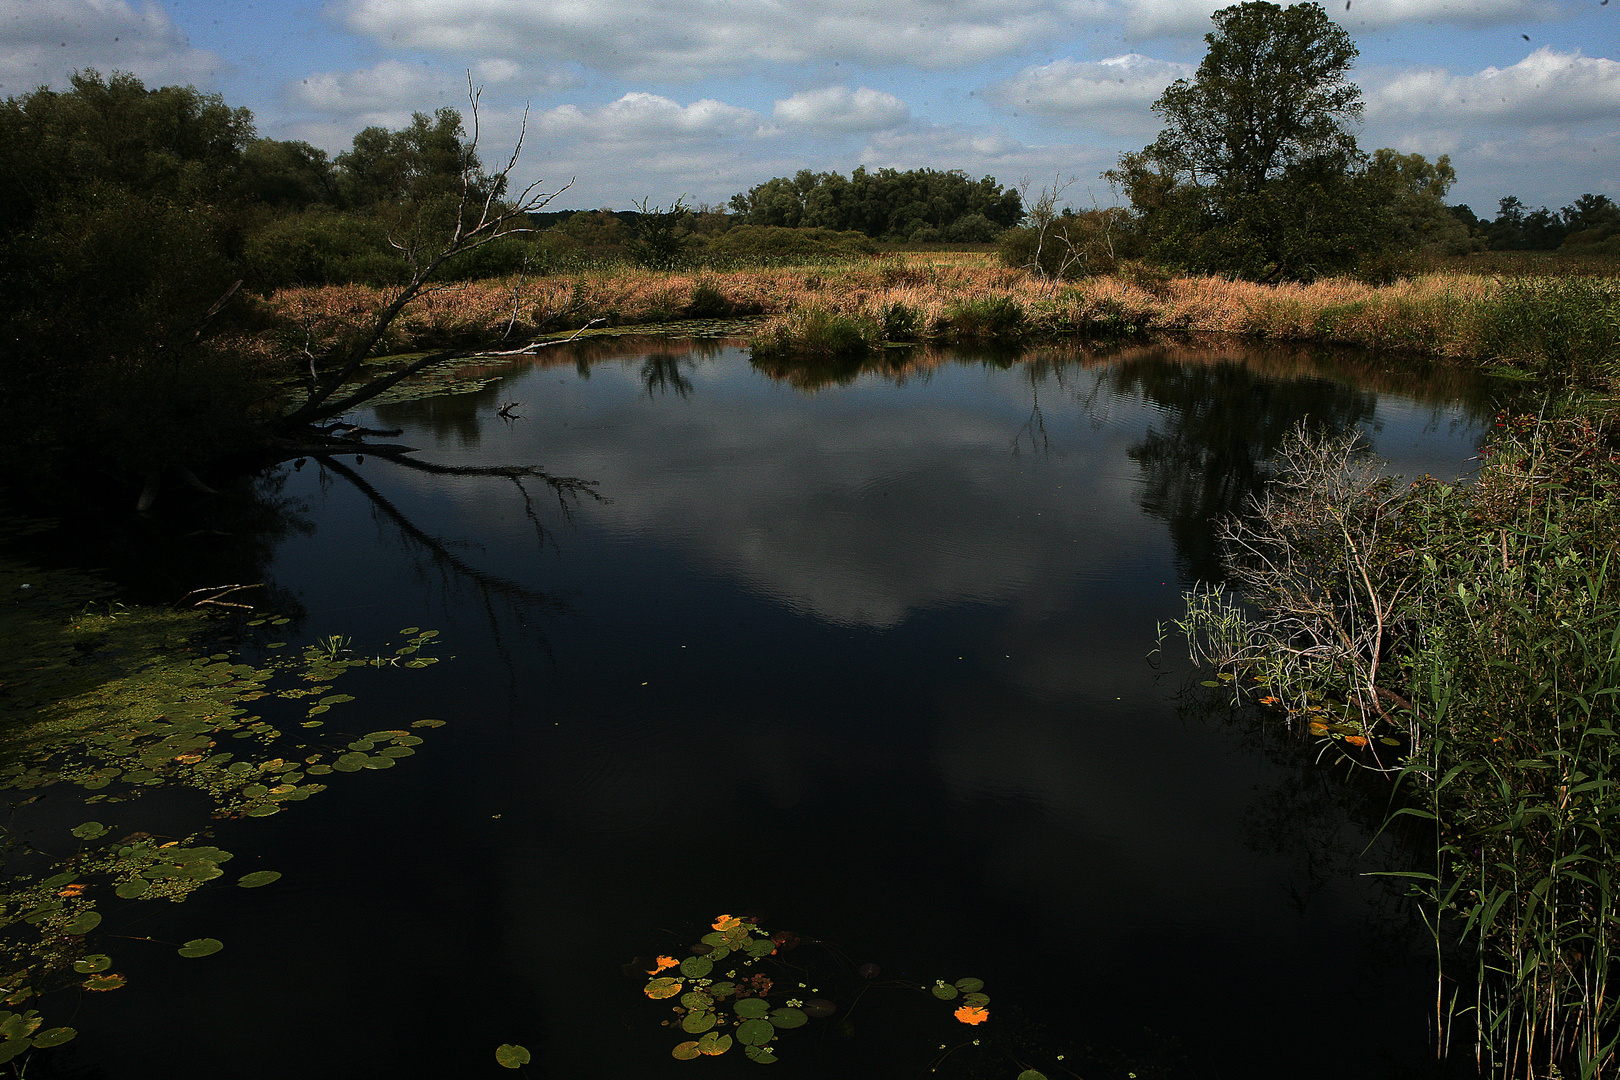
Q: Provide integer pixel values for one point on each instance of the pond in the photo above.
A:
(865, 650)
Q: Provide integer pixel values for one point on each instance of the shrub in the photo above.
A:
(816, 331)
(997, 315)
(771, 245)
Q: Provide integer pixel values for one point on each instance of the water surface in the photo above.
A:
(866, 651)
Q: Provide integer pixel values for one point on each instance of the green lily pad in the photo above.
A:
(944, 991)
(259, 877)
(90, 830)
(697, 1022)
(511, 1056)
(1031, 1074)
(262, 810)
(133, 888)
(758, 1053)
(89, 965)
(665, 987)
(55, 1036)
(203, 946)
(697, 1000)
(686, 1051)
(110, 981)
(789, 1018)
(760, 947)
(976, 1001)
(749, 1008)
(714, 1044)
(755, 1032)
(12, 1047)
(696, 967)
(970, 986)
(83, 924)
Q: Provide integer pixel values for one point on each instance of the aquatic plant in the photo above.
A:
(140, 709)
(1464, 639)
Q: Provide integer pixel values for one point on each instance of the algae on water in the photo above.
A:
(101, 704)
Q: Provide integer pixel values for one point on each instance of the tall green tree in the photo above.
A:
(1257, 170)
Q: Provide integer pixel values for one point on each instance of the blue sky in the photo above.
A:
(705, 98)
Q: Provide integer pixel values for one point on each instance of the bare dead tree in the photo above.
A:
(495, 218)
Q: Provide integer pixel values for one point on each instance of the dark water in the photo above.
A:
(866, 653)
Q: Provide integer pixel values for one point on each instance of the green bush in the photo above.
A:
(1564, 330)
(816, 331)
(770, 245)
(997, 315)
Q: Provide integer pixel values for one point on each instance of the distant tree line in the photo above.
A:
(918, 205)
(1590, 225)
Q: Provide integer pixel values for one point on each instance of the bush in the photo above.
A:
(771, 245)
(998, 315)
(816, 331)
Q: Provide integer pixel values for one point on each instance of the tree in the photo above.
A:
(1255, 171)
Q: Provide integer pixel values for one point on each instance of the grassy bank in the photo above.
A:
(1564, 329)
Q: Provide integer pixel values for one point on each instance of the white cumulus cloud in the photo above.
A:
(841, 109)
(640, 115)
(1114, 93)
(42, 42)
(1546, 88)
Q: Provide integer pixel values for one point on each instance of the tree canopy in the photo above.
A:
(1256, 170)
(918, 204)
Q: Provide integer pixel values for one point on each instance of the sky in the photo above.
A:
(628, 100)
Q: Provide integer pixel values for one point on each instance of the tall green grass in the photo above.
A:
(1466, 641)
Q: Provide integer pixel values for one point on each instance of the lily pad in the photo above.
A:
(819, 1007)
(663, 988)
(714, 1044)
(697, 1022)
(970, 986)
(944, 991)
(104, 982)
(203, 946)
(789, 1018)
(83, 924)
(696, 967)
(511, 1056)
(89, 965)
(749, 1008)
(758, 1053)
(686, 1051)
(755, 1032)
(132, 888)
(259, 877)
(55, 1036)
(90, 830)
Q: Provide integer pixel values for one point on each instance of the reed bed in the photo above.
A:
(1563, 329)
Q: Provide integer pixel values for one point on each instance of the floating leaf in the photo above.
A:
(714, 1044)
(761, 947)
(686, 1051)
(757, 1053)
(696, 967)
(970, 986)
(203, 946)
(697, 1022)
(259, 877)
(104, 982)
(1031, 1074)
(89, 965)
(755, 1032)
(262, 810)
(789, 1018)
(666, 987)
(83, 924)
(944, 990)
(55, 1036)
(428, 723)
(819, 1007)
(12, 1047)
(749, 1008)
(977, 1001)
(90, 830)
(511, 1056)
(662, 963)
(697, 1000)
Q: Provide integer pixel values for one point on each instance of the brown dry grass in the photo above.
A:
(1439, 315)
